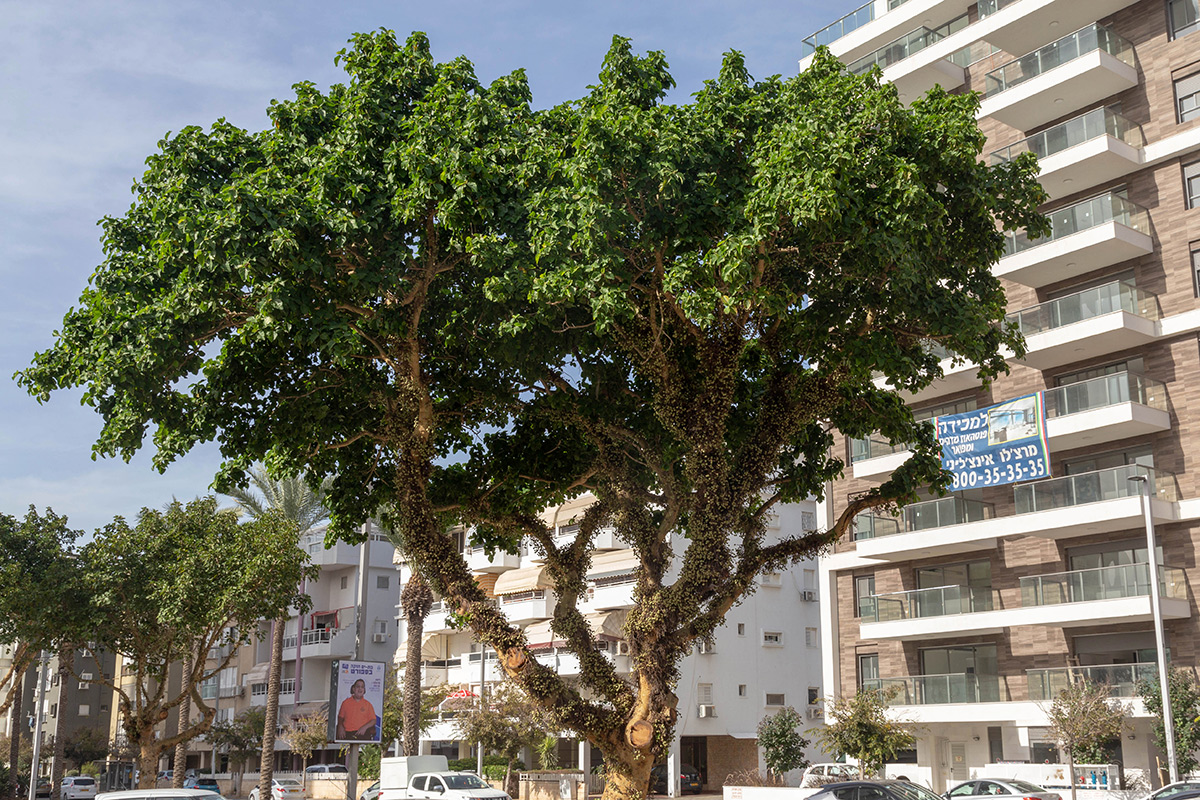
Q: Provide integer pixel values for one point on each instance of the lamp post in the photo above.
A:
(1159, 635)
(39, 715)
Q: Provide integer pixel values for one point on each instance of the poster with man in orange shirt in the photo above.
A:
(357, 694)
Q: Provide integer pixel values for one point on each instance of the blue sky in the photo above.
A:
(89, 88)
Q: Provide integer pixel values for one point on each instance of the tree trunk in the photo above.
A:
(266, 768)
(148, 753)
(14, 745)
(1071, 771)
(65, 657)
(415, 601)
(622, 786)
(185, 713)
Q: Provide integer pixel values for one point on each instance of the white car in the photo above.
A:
(821, 774)
(160, 794)
(282, 789)
(77, 787)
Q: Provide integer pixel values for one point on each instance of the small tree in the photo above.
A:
(85, 745)
(860, 727)
(505, 724)
(305, 734)
(1082, 718)
(242, 738)
(782, 743)
(1185, 710)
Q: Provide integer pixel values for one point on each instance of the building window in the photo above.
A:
(1187, 97)
(382, 581)
(741, 629)
(741, 690)
(345, 582)
(1196, 268)
(864, 593)
(772, 639)
(776, 699)
(1191, 184)
(814, 695)
(868, 671)
(85, 710)
(812, 638)
(1183, 17)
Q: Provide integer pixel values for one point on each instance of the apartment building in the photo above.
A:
(312, 642)
(766, 656)
(977, 608)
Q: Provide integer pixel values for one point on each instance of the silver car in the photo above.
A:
(984, 788)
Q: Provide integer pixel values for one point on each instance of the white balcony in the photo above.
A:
(467, 671)
(1074, 72)
(328, 643)
(870, 27)
(610, 596)
(566, 663)
(881, 466)
(1084, 237)
(526, 607)
(1020, 27)
(479, 561)
(438, 619)
(1103, 595)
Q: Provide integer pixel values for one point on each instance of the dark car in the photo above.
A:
(205, 782)
(873, 790)
(689, 780)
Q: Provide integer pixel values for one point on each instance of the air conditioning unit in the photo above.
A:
(379, 638)
(816, 713)
(809, 596)
(707, 712)
(622, 648)
(704, 648)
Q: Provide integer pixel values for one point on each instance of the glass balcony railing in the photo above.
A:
(1092, 125)
(872, 526)
(1093, 487)
(907, 45)
(988, 7)
(1099, 583)
(1083, 41)
(836, 30)
(942, 601)
(952, 510)
(1081, 217)
(1105, 391)
(864, 449)
(1088, 304)
(937, 689)
(1121, 679)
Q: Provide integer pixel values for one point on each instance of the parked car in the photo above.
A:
(983, 788)
(689, 779)
(206, 782)
(166, 776)
(371, 792)
(822, 774)
(1180, 790)
(43, 788)
(873, 790)
(77, 787)
(282, 789)
(160, 794)
(325, 769)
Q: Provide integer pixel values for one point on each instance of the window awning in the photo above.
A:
(568, 511)
(613, 562)
(257, 674)
(606, 625)
(516, 581)
(431, 647)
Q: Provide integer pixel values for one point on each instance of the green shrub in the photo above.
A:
(469, 764)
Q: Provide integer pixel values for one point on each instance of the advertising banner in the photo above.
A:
(356, 701)
(1000, 444)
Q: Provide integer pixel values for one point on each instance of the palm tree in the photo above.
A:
(292, 497)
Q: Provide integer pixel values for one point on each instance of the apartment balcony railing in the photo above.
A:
(953, 510)
(1080, 217)
(1121, 679)
(940, 601)
(938, 689)
(1093, 487)
(988, 7)
(1086, 40)
(317, 636)
(1086, 127)
(896, 51)
(868, 448)
(1105, 391)
(839, 28)
(1100, 583)
(1085, 305)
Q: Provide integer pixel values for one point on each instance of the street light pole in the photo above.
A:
(1159, 633)
(39, 698)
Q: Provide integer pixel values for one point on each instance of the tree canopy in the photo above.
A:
(462, 311)
(862, 727)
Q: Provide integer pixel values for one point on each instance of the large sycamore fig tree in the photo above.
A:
(463, 311)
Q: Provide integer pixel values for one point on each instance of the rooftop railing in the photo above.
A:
(839, 28)
(1105, 391)
(1121, 679)
(1093, 487)
(1088, 304)
(1031, 65)
(1081, 216)
(939, 689)
(1099, 583)
(941, 601)
(1094, 124)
